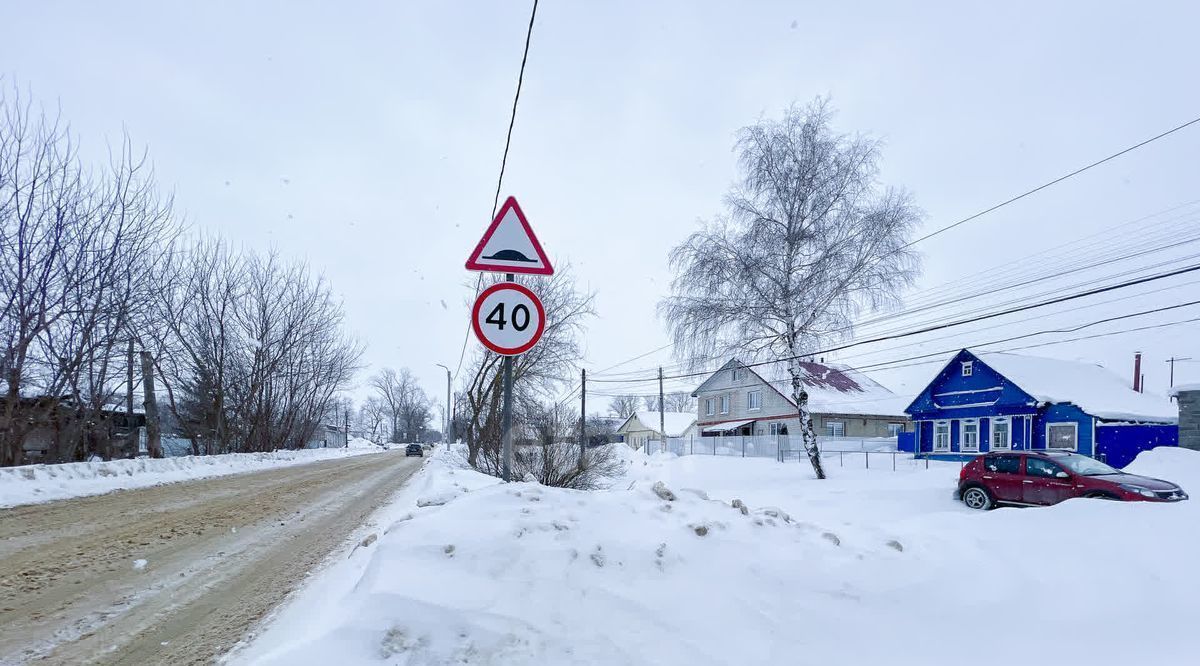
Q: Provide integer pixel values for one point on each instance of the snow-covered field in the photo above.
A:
(30, 484)
(871, 566)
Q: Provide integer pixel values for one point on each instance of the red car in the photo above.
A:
(1049, 477)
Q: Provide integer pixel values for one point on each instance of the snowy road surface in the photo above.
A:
(175, 573)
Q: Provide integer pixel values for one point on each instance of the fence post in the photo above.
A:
(841, 463)
(893, 461)
(926, 462)
(743, 446)
(867, 457)
(692, 444)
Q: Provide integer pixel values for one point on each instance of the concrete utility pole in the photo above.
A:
(582, 414)
(662, 417)
(1172, 362)
(150, 404)
(448, 430)
(132, 442)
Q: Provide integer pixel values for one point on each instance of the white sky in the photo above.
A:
(366, 138)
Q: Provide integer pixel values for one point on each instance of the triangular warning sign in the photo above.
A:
(509, 246)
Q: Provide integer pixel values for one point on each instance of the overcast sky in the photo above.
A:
(366, 139)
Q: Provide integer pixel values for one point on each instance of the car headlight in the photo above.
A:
(1144, 492)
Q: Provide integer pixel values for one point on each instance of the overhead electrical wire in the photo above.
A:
(512, 121)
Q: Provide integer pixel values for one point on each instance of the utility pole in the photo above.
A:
(132, 442)
(150, 404)
(448, 431)
(582, 414)
(662, 417)
(1172, 362)
(506, 421)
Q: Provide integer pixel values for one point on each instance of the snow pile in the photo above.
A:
(29, 484)
(720, 561)
(361, 443)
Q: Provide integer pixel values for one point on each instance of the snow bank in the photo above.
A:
(748, 562)
(30, 484)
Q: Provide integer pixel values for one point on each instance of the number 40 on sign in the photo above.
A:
(508, 318)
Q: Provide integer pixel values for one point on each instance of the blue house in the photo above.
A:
(992, 401)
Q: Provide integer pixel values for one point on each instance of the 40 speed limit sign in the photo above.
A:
(508, 318)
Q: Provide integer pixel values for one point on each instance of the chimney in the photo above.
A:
(1137, 371)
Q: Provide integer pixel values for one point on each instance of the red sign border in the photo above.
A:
(473, 262)
(508, 351)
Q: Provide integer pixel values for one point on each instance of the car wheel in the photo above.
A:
(977, 498)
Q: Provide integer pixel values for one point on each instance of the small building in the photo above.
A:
(327, 436)
(1187, 398)
(992, 401)
(738, 400)
(642, 427)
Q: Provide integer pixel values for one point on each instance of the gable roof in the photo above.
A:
(833, 388)
(677, 423)
(1088, 386)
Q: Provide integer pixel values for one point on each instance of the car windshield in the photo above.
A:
(1086, 466)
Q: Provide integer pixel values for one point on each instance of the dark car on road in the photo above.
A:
(1036, 478)
(414, 450)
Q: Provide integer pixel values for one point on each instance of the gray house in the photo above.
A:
(737, 400)
(1188, 396)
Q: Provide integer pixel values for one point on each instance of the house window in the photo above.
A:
(941, 436)
(1001, 435)
(894, 429)
(835, 428)
(710, 406)
(776, 428)
(739, 374)
(754, 400)
(724, 404)
(968, 436)
(1062, 436)
(967, 368)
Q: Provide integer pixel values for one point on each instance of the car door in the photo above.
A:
(1002, 476)
(1042, 483)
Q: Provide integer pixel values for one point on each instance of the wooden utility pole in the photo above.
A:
(1172, 362)
(131, 442)
(662, 417)
(582, 414)
(150, 404)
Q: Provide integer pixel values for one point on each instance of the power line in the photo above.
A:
(1043, 186)
(512, 121)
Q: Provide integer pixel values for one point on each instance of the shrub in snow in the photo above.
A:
(895, 545)
(741, 506)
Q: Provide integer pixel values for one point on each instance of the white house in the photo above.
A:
(642, 427)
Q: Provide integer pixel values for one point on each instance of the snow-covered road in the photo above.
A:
(176, 573)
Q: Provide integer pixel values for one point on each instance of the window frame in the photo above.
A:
(710, 406)
(898, 428)
(992, 423)
(968, 368)
(936, 426)
(776, 427)
(739, 373)
(829, 428)
(1074, 436)
(962, 435)
(751, 405)
(725, 404)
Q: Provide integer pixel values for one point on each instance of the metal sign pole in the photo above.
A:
(506, 423)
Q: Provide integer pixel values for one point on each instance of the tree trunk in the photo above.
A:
(150, 403)
(807, 435)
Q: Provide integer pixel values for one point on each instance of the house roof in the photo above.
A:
(677, 423)
(1088, 386)
(836, 388)
(1180, 388)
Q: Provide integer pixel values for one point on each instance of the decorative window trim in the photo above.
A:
(962, 436)
(1007, 421)
(936, 426)
(753, 405)
(1075, 436)
(968, 367)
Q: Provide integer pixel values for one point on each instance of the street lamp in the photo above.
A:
(449, 426)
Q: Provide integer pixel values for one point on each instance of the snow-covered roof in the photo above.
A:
(1180, 388)
(677, 423)
(1088, 386)
(836, 388)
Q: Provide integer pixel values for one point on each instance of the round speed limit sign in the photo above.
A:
(508, 318)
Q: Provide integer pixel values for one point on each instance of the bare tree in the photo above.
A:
(680, 401)
(405, 403)
(623, 405)
(809, 240)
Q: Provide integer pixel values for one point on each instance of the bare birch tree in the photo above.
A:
(808, 241)
(623, 405)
